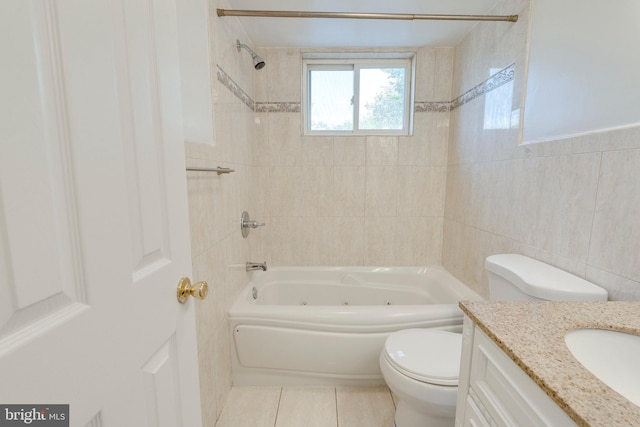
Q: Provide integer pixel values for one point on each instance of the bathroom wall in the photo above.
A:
(455, 192)
(216, 202)
(574, 203)
(349, 200)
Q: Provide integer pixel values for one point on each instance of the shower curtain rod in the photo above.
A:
(358, 15)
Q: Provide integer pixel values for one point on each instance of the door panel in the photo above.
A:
(161, 374)
(93, 220)
(95, 421)
(40, 278)
(145, 176)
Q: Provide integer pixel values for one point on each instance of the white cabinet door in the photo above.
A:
(93, 213)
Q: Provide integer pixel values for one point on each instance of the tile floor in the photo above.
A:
(308, 407)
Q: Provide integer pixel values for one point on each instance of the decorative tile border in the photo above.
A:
(258, 107)
(431, 107)
(235, 88)
(498, 79)
(277, 107)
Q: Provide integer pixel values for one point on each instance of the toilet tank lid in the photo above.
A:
(542, 280)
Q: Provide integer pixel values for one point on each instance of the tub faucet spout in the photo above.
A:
(257, 266)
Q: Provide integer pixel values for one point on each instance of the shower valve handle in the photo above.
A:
(246, 224)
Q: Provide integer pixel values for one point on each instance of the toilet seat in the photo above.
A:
(426, 355)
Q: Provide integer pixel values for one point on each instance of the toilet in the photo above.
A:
(421, 366)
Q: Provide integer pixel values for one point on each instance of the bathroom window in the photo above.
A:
(358, 95)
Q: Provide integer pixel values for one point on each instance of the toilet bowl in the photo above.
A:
(421, 367)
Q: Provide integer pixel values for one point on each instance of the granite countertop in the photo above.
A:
(532, 335)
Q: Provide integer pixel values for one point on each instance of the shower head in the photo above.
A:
(258, 61)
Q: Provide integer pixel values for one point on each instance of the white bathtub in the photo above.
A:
(327, 325)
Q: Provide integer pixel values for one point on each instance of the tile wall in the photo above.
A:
(215, 204)
(574, 203)
(452, 193)
(350, 200)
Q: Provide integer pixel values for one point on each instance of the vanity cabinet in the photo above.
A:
(494, 391)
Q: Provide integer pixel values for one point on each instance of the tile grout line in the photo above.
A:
(393, 402)
(335, 397)
(593, 213)
(275, 422)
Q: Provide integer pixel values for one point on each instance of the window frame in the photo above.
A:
(358, 62)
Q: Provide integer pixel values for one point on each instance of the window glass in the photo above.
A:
(370, 96)
(331, 99)
(382, 98)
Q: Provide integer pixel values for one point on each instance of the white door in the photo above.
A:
(93, 214)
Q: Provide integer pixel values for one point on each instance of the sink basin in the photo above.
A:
(611, 356)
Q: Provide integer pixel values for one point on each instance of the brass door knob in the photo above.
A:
(185, 289)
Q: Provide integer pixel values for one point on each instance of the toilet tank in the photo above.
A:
(520, 278)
